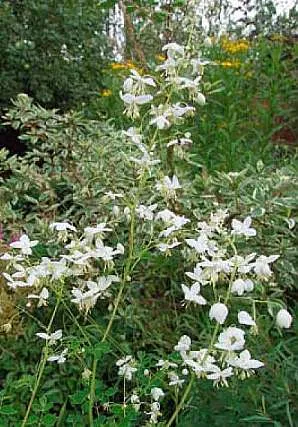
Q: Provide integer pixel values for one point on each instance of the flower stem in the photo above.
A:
(42, 365)
(112, 318)
(181, 403)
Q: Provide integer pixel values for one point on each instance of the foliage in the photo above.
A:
(53, 51)
(125, 236)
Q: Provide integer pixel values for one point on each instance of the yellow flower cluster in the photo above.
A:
(234, 46)
(230, 64)
(128, 65)
(160, 57)
(106, 92)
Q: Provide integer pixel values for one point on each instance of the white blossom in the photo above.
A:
(42, 297)
(59, 358)
(244, 361)
(24, 244)
(184, 344)
(284, 319)
(262, 267)
(192, 294)
(240, 286)
(157, 393)
(62, 226)
(126, 367)
(243, 228)
(51, 338)
(146, 212)
(231, 339)
(220, 376)
(219, 312)
(244, 318)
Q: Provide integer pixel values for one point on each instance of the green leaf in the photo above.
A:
(8, 410)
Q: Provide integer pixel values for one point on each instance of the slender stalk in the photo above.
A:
(181, 403)
(41, 366)
(112, 318)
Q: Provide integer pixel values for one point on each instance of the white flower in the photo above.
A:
(59, 358)
(175, 380)
(261, 265)
(243, 228)
(231, 339)
(135, 401)
(25, 244)
(291, 223)
(51, 338)
(202, 244)
(173, 49)
(42, 297)
(165, 364)
(244, 361)
(239, 286)
(113, 196)
(146, 212)
(126, 367)
(169, 186)
(192, 294)
(98, 229)
(197, 275)
(178, 110)
(219, 312)
(134, 135)
(183, 344)
(200, 99)
(220, 376)
(157, 393)
(62, 226)
(130, 99)
(154, 413)
(164, 247)
(245, 318)
(284, 319)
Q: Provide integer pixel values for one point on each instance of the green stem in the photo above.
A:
(112, 318)
(181, 403)
(42, 365)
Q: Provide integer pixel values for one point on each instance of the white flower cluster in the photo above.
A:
(82, 257)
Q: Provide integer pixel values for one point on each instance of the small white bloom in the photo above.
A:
(59, 358)
(219, 312)
(157, 393)
(240, 286)
(62, 226)
(231, 339)
(51, 338)
(24, 244)
(146, 212)
(192, 294)
(42, 297)
(169, 186)
(126, 367)
(173, 50)
(130, 99)
(175, 380)
(244, 361)
(243, 228)
(245, 318)
(261, 265)
(164, 247)
(135, 401)
(284, 319)
(220, 376)
(183, 344)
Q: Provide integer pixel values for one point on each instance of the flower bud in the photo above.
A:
(218, 312)
(200, 99)
(283, 319)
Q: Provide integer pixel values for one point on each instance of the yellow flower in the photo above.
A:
(118, 66)
(234, 46)
(160, 57)
(230, 64)
(106, 92)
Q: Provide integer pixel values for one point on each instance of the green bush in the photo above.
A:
(54, 51)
